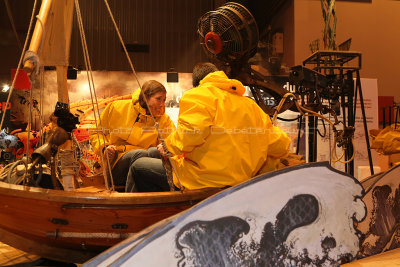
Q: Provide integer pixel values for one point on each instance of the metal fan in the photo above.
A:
(229, 33)
(229, 36)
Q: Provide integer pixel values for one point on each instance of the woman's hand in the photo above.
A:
(110, 152)
(160, 149)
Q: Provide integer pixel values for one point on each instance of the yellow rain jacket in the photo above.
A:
(127, 126)
(387, 141)
(222, 137)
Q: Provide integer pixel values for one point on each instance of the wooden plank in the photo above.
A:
(112, 198)
(73, 225)
(12, 256)
(57, 39)
(72, 233)
(45, 250)
(62, 84)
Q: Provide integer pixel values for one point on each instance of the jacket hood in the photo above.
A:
(135, 95)
(220, 80)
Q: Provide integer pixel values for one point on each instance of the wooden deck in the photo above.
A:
(11, 256)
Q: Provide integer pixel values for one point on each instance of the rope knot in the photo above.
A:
(34, 58)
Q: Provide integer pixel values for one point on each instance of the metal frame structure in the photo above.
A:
(343, 64)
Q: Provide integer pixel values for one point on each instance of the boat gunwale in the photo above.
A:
(111, 198)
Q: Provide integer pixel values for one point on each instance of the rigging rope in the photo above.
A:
(19, 63)
(41, 97)
(10, 16)
(151, 114)
(93, 95)
(34, 58)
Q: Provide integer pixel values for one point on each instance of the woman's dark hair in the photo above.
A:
(201, 70)
(149, 89)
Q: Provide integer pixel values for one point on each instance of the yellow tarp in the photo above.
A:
(387, 141)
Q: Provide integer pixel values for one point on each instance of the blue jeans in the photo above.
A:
(147, 174)
(121, 172)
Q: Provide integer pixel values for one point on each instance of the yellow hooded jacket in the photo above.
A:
(222, 137)
(127, 126)
(387, 141)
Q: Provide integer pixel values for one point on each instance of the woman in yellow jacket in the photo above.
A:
(222, 137)
(129, 130)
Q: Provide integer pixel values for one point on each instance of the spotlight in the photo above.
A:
(6, 88)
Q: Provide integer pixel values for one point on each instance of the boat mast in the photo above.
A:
(38, 34)
(52, 37)
(51, 40)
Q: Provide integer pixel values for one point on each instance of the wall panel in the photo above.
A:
(168, 27)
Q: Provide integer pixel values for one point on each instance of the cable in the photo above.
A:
(19, 63)
(307, 112)
(14, 165)
(10, 16)
(319, 133)
(151, 114)
(93, 94)
(284, 119)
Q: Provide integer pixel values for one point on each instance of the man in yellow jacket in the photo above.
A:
(129, 130)
(222, 138)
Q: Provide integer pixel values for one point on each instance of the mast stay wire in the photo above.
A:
(24, 58)
(30, 55)
(144, 98)
(10, 17)
(93, 94)
(41, 97)
(19, 63)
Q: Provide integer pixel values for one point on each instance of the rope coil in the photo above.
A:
(34, 58)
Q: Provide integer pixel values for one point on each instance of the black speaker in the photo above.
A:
(72, 73)
(172, 77)
(136, 47)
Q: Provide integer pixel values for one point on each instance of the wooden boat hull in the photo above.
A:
(75, 226)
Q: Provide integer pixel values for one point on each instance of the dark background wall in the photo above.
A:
(166, 28)
(10, 46)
